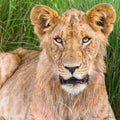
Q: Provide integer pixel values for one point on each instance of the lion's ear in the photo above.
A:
(43, 18)
(102, 17)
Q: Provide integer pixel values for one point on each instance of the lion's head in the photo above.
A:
(74, 41)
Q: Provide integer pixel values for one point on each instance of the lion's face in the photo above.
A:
(74, 48)
(73, 41)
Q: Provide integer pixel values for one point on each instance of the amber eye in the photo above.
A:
(58, 40)
(86, 40)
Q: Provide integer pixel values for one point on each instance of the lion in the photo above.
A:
(65, 80)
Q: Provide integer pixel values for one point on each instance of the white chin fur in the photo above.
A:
(74, 89)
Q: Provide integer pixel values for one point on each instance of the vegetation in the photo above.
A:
(17, 31)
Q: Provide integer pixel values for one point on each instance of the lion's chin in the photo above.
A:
(74, 85)
(74, 89)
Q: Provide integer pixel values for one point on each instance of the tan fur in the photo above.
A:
(8, 64)
(34, 92)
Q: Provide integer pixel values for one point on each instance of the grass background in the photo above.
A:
(17, 31)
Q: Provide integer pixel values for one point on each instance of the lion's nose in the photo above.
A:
(72, 69)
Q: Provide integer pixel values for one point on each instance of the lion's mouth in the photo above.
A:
(74, 80)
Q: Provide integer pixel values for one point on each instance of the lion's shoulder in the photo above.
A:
(10, 61)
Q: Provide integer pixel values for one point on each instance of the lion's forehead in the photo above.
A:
(72, 24)
(72, 17)
(73, 14)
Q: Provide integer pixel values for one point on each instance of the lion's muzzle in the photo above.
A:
(74, 80)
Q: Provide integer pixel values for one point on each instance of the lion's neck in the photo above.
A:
(58, 100)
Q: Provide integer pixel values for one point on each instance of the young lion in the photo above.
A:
(67, 81)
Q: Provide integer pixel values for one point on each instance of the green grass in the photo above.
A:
(17, 31)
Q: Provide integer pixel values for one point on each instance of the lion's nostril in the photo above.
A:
(72, 69)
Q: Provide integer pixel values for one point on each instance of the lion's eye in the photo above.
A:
(58, 40)
(85, 40)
